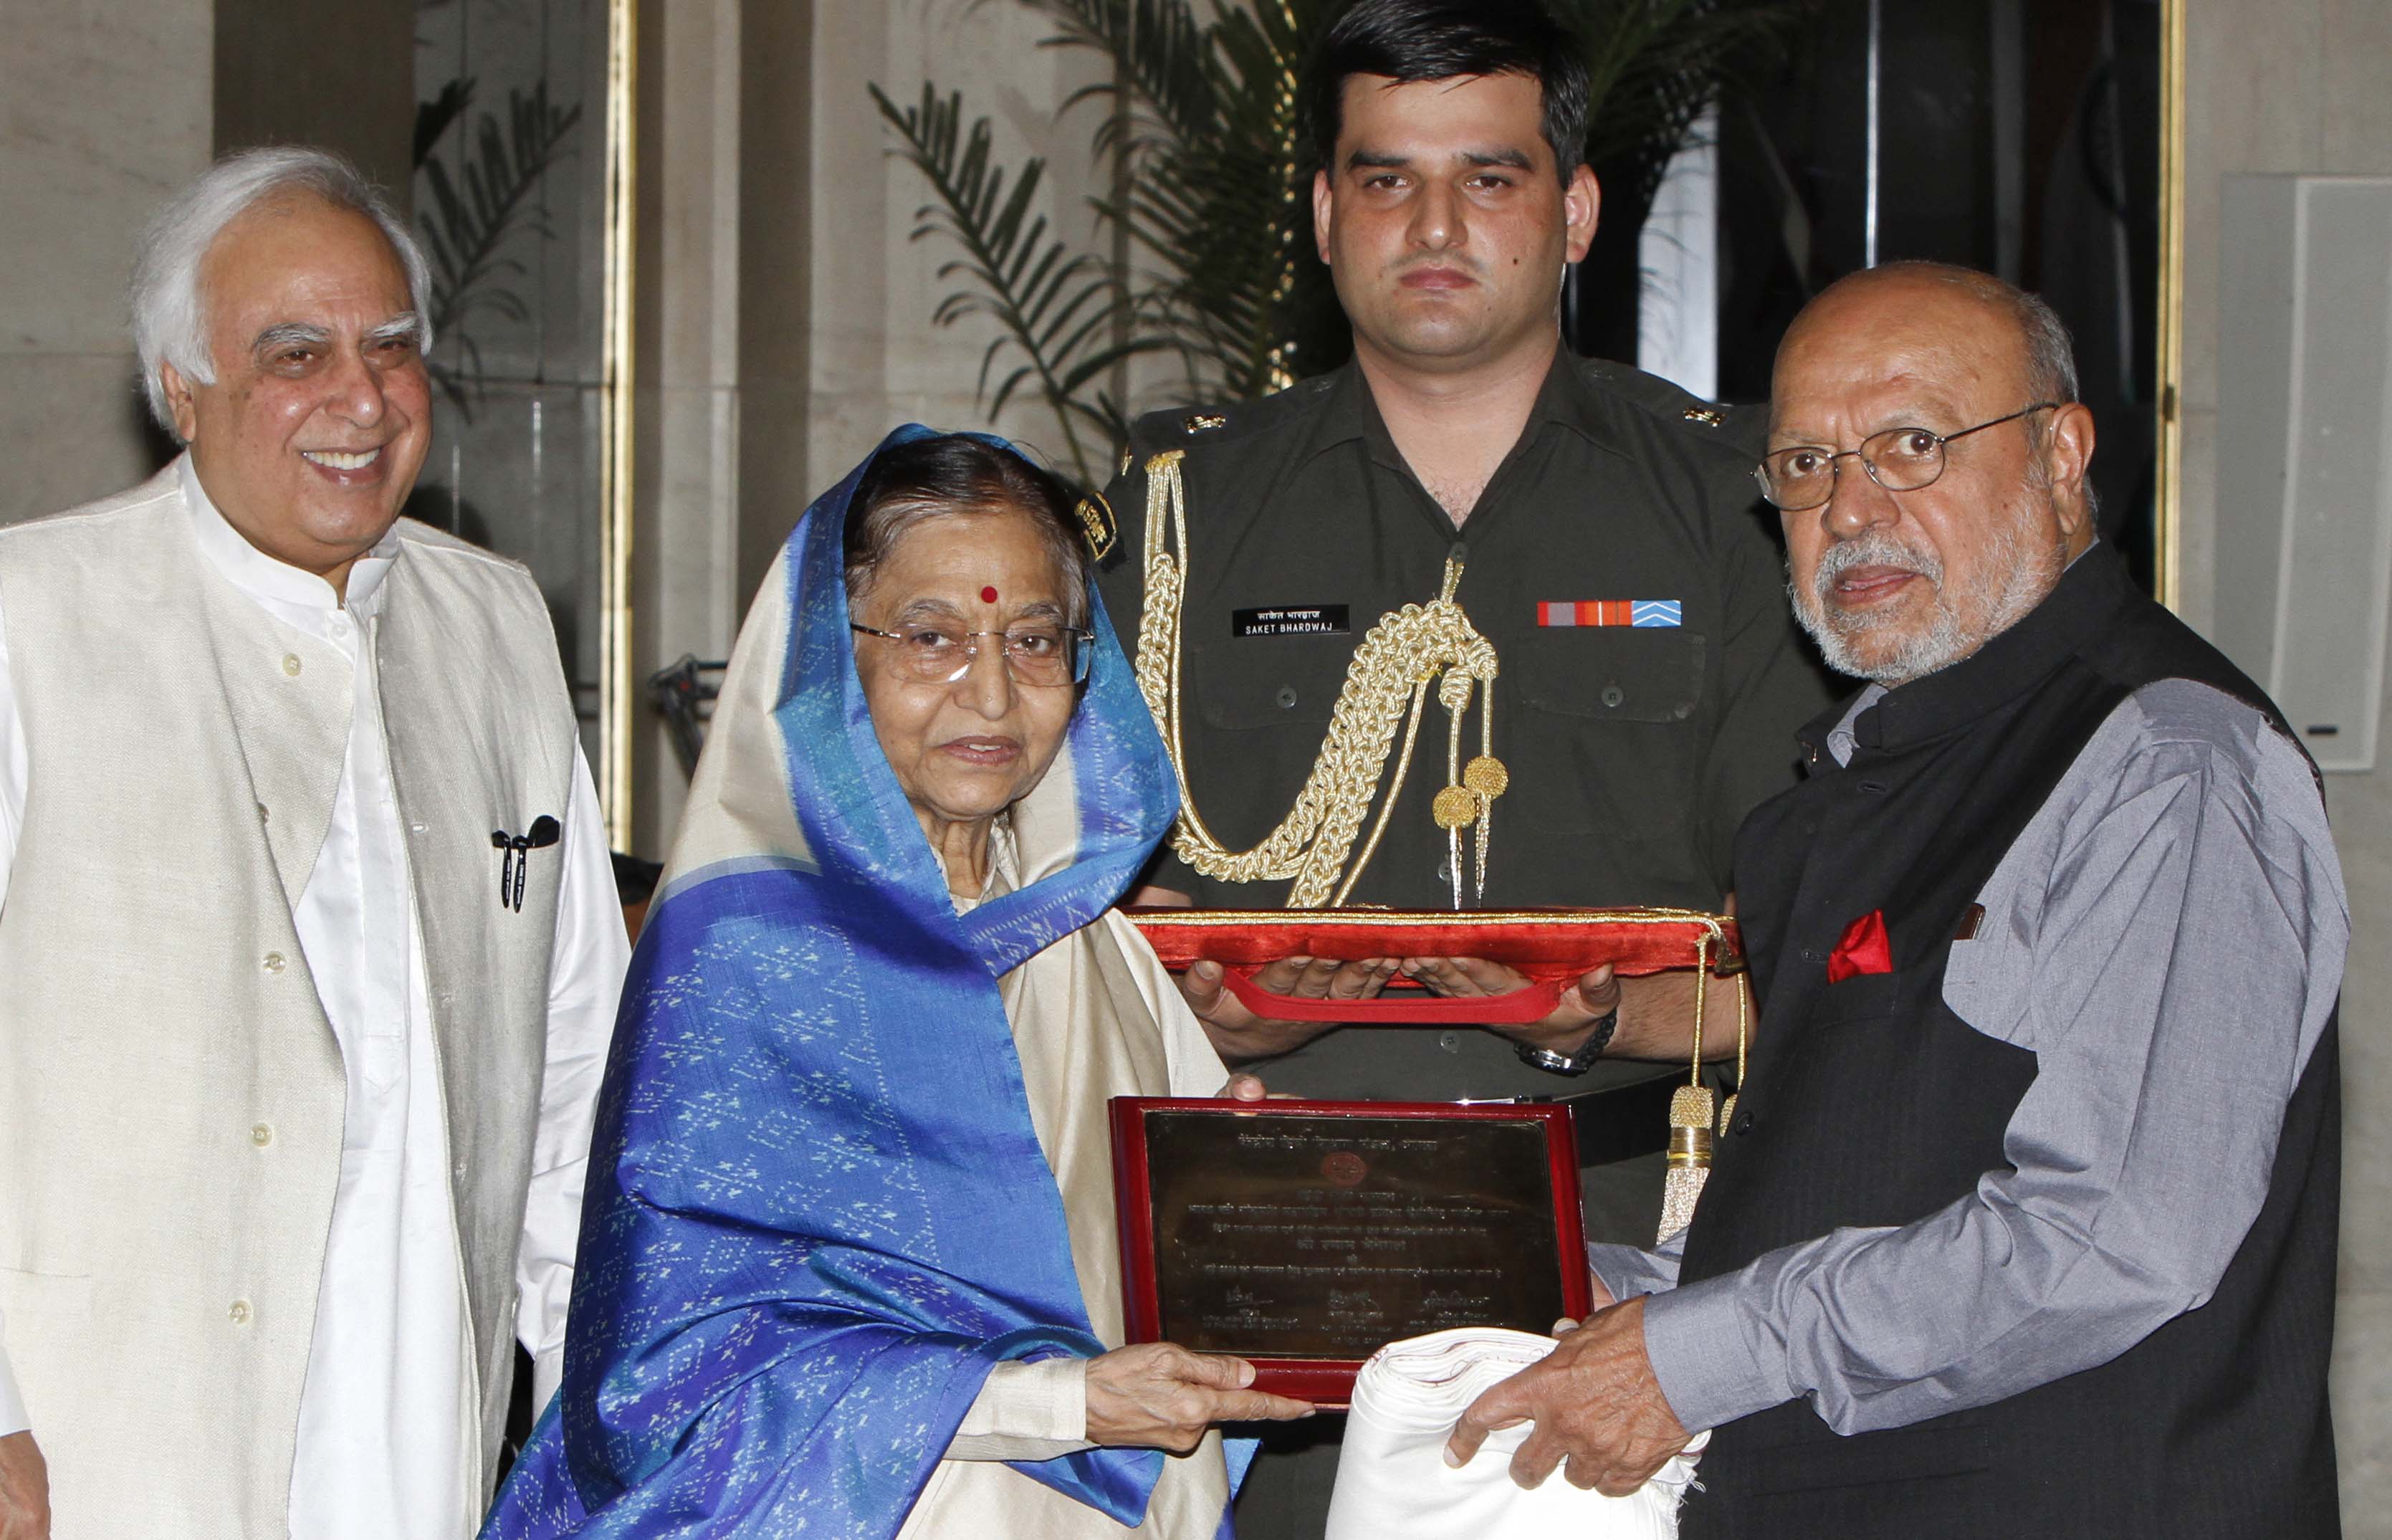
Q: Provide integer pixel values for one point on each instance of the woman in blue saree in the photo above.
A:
(848, 1261)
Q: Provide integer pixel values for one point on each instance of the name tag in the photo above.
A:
(1290, 621)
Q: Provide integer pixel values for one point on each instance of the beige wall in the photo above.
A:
(111, 106)
(106, 109)
(2296, 86)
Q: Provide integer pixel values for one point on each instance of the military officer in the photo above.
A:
(1612, 549)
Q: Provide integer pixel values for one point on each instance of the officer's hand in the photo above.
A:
(1238, 1033)
(24, 1488)
(1565, 1030)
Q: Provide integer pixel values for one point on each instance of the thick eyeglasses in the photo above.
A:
(1034, 654)
(1900, 460)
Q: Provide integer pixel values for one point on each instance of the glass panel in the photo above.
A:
(510, 203)
(2019, 137)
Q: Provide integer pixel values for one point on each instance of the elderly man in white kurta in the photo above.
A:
(294, 1092)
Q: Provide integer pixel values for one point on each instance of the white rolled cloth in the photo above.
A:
(1393, 1482)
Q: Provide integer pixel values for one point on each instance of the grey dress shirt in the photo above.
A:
(2167, 937)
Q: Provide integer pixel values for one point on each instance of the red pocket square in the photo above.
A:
(1863, 949)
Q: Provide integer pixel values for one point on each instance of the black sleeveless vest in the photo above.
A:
(1870, 1103)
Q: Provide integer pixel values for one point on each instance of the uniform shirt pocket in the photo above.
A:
(1611, 673)
(1256, 681)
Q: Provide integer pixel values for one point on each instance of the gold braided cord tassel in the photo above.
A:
(1691, 1117)
(1690, 1157)
(1387, 684)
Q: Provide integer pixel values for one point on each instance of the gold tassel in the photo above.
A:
(1691, 1118)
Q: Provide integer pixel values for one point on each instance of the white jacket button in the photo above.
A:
(261, 1134)
(291, 664)
(239, 1312)
(273, 962)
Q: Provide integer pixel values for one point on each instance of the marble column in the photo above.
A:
(108, 112)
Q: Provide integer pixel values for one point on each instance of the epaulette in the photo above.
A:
(1742, 428)
(1199, 428)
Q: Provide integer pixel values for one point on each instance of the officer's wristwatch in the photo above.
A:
(1580, 1062)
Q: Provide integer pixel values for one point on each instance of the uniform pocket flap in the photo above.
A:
(1620, 673)
(1266, 681)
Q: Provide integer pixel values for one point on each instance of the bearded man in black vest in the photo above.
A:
(2023, 1223)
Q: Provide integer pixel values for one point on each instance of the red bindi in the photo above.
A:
(988, 595)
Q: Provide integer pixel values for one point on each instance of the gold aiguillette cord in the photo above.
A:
(1388, 684)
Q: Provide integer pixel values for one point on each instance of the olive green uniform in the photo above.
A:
(1635, 750)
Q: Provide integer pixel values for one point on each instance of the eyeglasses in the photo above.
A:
(1036, 655)
(1900, 460)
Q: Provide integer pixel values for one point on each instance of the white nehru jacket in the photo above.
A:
(393, 1407)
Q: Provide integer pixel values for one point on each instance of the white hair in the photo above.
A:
(170, 322)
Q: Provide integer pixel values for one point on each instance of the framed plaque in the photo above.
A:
(1303, 1235)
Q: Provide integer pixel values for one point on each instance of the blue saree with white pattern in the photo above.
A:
(818, 1210)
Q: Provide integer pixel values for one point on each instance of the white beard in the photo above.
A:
(2015, 581)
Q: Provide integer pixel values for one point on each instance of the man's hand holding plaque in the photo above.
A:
(1565, 1029)
(1240, 1034)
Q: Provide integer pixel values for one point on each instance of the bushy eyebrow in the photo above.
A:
(289, 333)
(407, 324)
(302, 333)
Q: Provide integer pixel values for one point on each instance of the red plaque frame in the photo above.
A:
(1327, 1382)
(1550, 947)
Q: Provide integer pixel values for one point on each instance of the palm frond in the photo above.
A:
(432, 118)
(1050, 303)
(1228, 213)
(1160, 55)
(467, 228)
(1652, 66)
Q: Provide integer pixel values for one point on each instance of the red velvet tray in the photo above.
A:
(1538, 1161)
(1551, 947)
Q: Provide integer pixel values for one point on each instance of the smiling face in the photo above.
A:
(311, 438)
(1444, 225)
(964, 751)
(1898, 584)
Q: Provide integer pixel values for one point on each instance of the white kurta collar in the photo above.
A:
(275, 582)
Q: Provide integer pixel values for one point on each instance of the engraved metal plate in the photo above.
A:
(1304, 1234)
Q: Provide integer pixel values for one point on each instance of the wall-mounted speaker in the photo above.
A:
(2305, 449)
